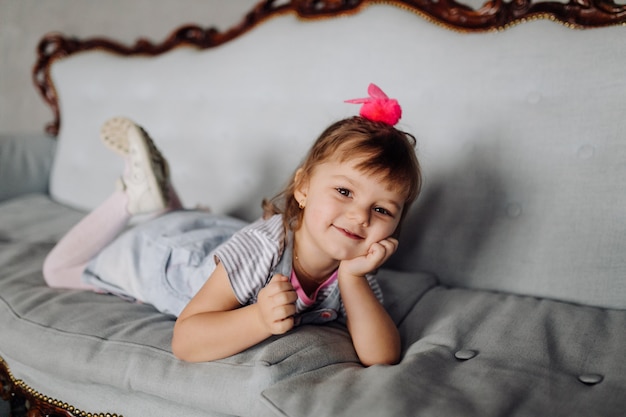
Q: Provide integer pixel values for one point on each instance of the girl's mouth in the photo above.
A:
(348, 233)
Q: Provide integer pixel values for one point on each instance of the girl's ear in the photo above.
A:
(300, 186)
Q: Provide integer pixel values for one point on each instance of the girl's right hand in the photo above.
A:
(375, 257)
(276, 303)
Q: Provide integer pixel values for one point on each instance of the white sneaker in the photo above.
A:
(147, 174)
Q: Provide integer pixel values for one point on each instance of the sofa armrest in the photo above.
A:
(25, 161)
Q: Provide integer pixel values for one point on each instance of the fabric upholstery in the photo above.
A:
(25, 162)
(476, 353)
(465, 352)
(519, 138)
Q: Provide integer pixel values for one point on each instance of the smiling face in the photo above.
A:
(352, 189)
(346, 210)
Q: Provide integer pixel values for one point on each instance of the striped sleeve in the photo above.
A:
(250, 255)
(373, 282)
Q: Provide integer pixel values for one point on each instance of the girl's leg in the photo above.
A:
(145, 188)
(64, 265)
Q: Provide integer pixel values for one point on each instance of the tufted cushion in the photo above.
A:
(465, 352)
(479, 354)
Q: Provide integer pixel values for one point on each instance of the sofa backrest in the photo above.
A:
(520, 134)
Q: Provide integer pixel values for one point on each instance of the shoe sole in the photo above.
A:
(115, 135)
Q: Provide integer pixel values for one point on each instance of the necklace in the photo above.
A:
(301, 272)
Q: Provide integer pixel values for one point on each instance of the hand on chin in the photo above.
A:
(376, 255)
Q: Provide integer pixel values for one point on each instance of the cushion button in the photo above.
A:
(465, 354)
(590, 379)
(533, 97)
(586, 151)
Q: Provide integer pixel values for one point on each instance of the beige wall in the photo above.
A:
(24, 22)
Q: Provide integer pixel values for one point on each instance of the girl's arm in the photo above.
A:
(214, 325)
(374, 334)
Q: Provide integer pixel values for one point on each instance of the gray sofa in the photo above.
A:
(509, 287)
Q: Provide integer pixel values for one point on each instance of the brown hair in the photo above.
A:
(387, 151)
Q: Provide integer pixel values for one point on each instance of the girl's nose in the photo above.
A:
(360, 215)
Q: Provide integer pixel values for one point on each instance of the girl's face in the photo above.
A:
(345, 211)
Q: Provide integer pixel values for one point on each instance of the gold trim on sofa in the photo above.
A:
(33, 402)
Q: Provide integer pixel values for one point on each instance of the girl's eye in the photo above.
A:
(383, 211)
(344, 192)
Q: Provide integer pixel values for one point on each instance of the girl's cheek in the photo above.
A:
(316, 211)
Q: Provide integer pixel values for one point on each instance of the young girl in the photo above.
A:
(309, 259)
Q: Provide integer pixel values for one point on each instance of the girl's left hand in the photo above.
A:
(376, 255)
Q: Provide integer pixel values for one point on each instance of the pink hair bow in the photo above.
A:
(378, 107)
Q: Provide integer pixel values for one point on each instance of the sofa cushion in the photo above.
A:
(465, 352)
(479, 354)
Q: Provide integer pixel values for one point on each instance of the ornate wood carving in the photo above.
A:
(26, 402)
(493, 15)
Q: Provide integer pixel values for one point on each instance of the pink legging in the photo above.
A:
(64, 265)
